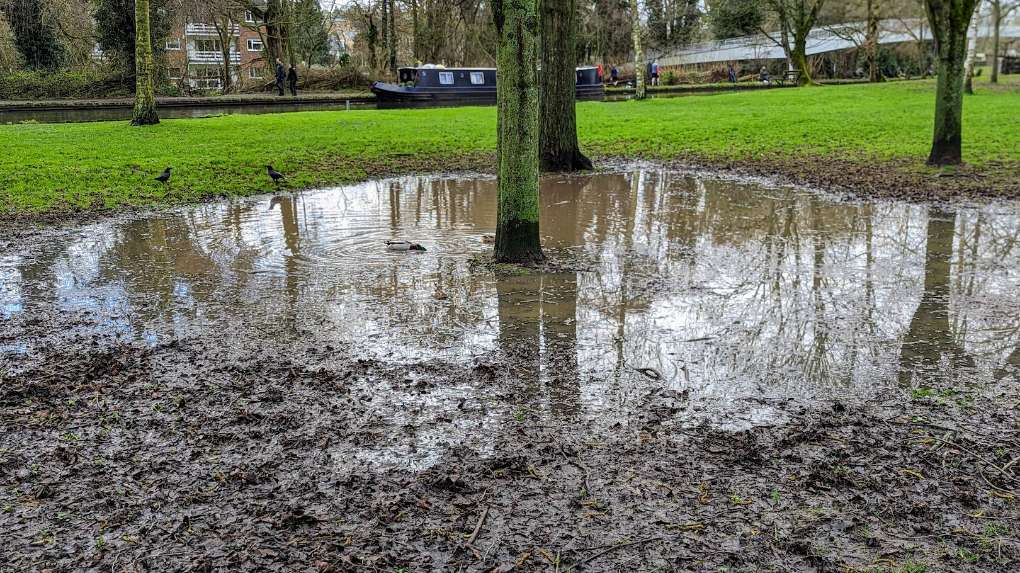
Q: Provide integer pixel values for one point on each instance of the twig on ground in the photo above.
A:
(478, 526)
(582, 563)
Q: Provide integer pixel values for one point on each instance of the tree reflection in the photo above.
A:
(538, 332)
(929, 337)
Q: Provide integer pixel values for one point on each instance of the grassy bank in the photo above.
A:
(46, 168)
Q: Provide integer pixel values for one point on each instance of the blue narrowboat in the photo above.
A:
(437, 85)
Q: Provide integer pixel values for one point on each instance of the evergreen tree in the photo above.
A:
(35, 39)
(115, 29)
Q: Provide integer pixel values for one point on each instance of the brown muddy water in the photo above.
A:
(733, 295)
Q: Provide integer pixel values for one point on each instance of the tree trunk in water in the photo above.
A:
(517, 235)
(968, 67)
(949, 20)
(639, 53)
(874, 74)
(145, 96)
(997, 23)
(558, 149)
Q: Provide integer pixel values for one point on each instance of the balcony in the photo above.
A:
(208, 30)
(197, 57)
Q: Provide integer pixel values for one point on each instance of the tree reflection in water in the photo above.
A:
(729, 290)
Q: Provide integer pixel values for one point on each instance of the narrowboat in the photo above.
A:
(436, 85)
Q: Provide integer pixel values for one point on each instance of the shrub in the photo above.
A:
(62, 84)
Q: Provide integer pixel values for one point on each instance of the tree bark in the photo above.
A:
(385, 17)
(639, 54)
(223, 27)
(949, 20)
(392, 43)
(874, 74)
(517, 232)
(273, 16)
(416, 33)
(997, 25)
(558, 148)
(968, 66)
(145, 96)
(799, 57)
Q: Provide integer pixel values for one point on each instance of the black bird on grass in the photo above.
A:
(276, 175)
(164, 177)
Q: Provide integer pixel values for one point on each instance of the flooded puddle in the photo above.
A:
(733, 297)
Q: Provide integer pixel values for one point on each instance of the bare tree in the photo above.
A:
(796, 19)
(8, 50)
(1001, 9)
(968, 66)
(636, 34)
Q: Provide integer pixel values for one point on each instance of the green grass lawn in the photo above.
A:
(67, 166)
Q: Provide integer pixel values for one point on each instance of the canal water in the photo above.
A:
(86, 114)
(736, 296)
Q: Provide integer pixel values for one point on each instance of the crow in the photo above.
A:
(164, 177)
(276, 175)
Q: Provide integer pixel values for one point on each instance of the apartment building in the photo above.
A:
(194, 54)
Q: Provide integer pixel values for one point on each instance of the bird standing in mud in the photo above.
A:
(404, 246)
(275, 175)
(164, 177)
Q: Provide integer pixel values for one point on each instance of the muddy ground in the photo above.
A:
(211, 454)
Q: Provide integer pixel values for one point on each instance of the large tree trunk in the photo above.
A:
(558, 149)
(639, 53)
(274, 17)
(517, 235)
(996, 25)
(145, 96)
(874, 74)
(799, 57)
(968, 66)
(949, 20)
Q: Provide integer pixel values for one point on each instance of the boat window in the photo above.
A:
(446, 78)
(477, 78)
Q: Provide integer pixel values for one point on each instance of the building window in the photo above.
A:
(207, 45)
(249, 17)
(174, 73)
(446, 78)
(477, 78)
(254, 45)
(173, 44)
(255, 73)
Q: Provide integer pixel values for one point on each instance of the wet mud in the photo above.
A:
(709, 375)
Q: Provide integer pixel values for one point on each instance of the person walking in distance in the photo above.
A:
(280, 76)
(292, 80)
